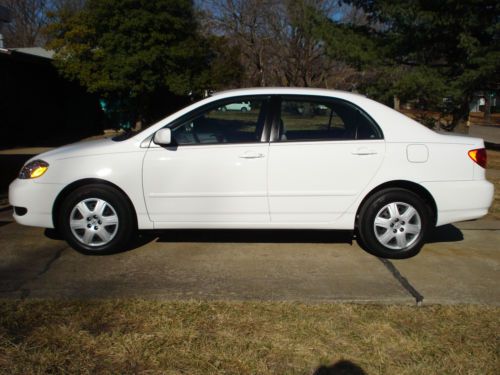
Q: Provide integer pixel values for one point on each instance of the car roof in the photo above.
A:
(285, 91)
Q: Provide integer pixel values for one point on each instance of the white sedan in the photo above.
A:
(238, 106)
(353, 165)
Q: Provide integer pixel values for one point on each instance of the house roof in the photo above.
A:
(35, 51)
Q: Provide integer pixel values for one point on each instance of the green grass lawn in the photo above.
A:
(136, 336)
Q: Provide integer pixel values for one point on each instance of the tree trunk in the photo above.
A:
(137, 126)
(396, 103)
(459, 117)
(487, 107)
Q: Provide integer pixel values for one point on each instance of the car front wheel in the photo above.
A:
(96, 219)
(394, 223)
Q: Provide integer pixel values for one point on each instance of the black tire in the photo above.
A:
(244, 109)
(393, 228)
(117, 209)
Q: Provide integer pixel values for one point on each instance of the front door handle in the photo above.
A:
(364, 151)
(251, 155)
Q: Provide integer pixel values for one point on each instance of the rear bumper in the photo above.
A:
(38, 200)
(460, 200)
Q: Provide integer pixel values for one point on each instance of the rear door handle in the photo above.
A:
(364, 151)
(251, 155)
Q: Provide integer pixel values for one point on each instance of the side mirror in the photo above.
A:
(163, 137)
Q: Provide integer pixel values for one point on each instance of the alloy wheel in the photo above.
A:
(94, 222)
(397, 225)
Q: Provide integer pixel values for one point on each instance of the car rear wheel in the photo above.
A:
(96, 219)
(394, 223)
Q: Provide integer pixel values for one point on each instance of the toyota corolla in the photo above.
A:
(296, 159)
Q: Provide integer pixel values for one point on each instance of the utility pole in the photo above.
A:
(5, 17)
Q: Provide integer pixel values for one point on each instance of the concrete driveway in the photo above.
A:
(458, 266)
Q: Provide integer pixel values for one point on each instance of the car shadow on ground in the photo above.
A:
(446, 233)
(229, 236)
(255, 236)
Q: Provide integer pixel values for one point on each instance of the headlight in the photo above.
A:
(33, 169)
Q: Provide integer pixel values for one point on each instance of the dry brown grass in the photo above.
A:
(135, 336)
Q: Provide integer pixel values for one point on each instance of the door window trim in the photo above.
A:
(264, 133)
(276, 108)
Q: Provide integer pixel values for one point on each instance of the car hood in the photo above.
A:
(85, 148)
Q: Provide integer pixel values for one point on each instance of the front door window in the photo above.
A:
(239, 121)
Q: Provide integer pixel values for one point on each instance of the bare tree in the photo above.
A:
(244, 22)
(277, 39)
(303, 59)
(70, 6)
(29, 19)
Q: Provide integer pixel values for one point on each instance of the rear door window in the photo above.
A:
(319, 119)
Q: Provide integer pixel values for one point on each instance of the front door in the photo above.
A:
(215, 173)
(324, 153)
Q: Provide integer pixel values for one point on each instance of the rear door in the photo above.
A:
(323, 153)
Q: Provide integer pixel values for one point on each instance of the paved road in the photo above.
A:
(459, 266)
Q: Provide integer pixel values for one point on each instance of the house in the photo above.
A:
(480, 100)
(38, 107)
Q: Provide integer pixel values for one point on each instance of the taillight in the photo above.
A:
(479, 156)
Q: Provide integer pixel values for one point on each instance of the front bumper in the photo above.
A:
(37, 198)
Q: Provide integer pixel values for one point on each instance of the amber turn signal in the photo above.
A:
(479, 156)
